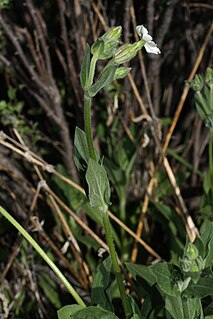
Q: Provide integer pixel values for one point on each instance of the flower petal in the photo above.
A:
(151, 47)
(147, 37)
(144, 30)
(139, 30)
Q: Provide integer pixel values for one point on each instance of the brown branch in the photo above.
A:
(150, 13)
(71, 70)
(39, 25)
(9, 33)
(126, 20)
(155, 65)
(43, 86)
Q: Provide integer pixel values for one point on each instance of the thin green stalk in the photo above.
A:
(87, 126)
(116, 267)
(122, 206)
(92, 71)
(41, 252)
(87, 110)
(202, 101)
(211, 158)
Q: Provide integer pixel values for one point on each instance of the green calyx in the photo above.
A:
(127, 52)
(105, 46)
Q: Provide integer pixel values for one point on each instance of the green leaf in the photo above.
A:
(207, 239)
(141, 271)
(94, 313)
(207, 233)
(68, 311)
(97, 48)
(50, 289)
(101, 294)
(207, 182)
(81, 150)
(117, 177)
(148, 310)
(209, 310)
(84, 75)
(135, 309)
(167, 277)
(203, 288)
(179, 308)
(11, 92)
(209, 257)
(105, 79)
(99, 189)
(174, 306)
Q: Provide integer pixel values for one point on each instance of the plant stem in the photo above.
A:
(122, 206)
(87, 110)
(116, 267)
(87, 126)
(211, 159)
(203, 103)
(92, 71)
(41, 252)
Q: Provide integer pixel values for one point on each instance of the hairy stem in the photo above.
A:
(41, 252)
(87, 126)
(116, 267)
(87, 110)
(211, 159)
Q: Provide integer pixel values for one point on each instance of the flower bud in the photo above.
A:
(127, 52)
(185, 264)
(192, 252)
(110, 39)
(113, 34)
(209, 76)
(197, 83)
(197, 265)
(98, 47)
(120, 73)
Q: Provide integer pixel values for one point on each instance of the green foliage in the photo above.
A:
(11, 114)
(183, 287)
(68, 311)
(105, 46)
(50, 290)
(5, 4)
(102, 289)
(106, 77)
(99, 189)
(203, 87)
(81, 150)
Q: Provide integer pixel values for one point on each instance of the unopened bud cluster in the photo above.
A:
(107, 47)
(191, 261)
(203, 88)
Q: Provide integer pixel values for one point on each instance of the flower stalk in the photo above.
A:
(110, 242)
(42, 253)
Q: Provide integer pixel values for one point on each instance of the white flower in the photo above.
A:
(150, 46)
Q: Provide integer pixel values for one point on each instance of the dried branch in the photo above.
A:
(40, 81)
